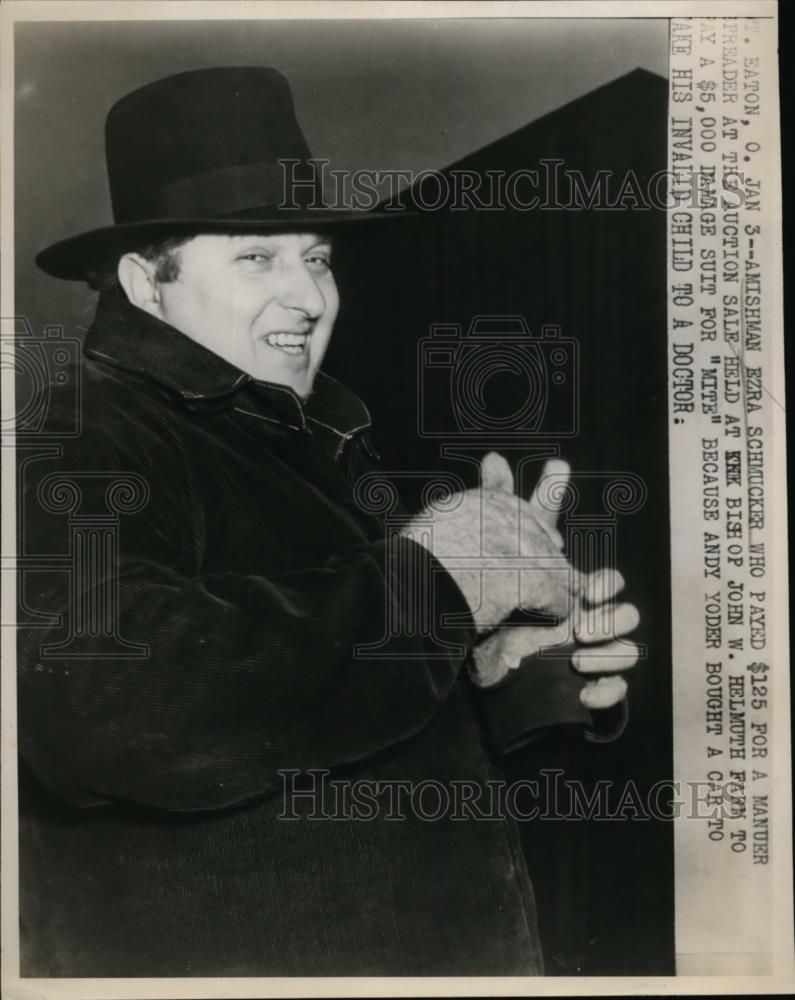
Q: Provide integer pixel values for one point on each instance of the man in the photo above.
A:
(244, 629)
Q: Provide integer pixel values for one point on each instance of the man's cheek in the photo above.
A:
(320, 343)
(332, 298)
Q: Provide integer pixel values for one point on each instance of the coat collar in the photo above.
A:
(133, 340)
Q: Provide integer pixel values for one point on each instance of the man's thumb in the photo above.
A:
(495, 473)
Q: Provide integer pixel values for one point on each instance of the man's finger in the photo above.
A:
(610, 658)
(604, 693)
(605, 622)
(602, 585)
(495, 473)
(551, 491)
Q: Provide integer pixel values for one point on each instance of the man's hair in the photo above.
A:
(162, 253)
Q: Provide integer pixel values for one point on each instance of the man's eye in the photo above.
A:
(318, 262)
(254, 256)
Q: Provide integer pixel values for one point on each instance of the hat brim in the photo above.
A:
(73, 258)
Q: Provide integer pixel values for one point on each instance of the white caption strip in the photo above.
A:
(726, 410)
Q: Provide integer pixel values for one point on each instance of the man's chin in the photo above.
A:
(296, 374)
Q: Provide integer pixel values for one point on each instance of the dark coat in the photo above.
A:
(207, 634)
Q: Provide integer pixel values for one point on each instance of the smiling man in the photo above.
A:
(228, 625)
(265, 303)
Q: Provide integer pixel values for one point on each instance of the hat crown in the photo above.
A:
(207, 142)
(202, 152)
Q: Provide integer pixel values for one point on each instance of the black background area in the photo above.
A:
(604, 888)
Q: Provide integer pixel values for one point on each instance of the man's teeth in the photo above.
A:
(292, 343)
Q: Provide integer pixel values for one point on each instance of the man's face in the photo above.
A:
(267, 304)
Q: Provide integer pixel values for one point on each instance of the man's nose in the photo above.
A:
(299, 290)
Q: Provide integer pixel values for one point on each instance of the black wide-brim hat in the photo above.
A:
(208, 151)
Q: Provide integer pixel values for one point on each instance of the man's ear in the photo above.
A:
(137, 277)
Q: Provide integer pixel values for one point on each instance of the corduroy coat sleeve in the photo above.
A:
(195, 688)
